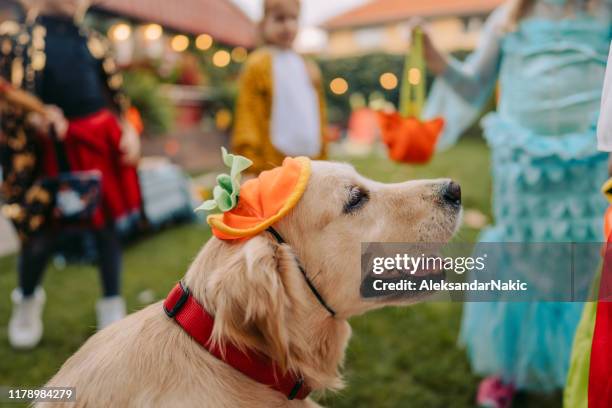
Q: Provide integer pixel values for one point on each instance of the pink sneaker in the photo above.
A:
(493, 393)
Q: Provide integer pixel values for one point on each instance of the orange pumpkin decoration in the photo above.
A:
(408, 138)
(263, 200)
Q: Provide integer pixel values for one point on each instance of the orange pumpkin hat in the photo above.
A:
(260, 202)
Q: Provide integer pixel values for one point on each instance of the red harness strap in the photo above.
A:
(198, 323)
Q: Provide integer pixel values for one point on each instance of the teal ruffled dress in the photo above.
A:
(546, 176)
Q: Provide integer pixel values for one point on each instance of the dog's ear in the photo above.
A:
(250, 299)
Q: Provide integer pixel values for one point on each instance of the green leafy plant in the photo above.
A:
(363, 76)
(142, 87)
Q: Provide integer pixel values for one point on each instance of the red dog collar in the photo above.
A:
(181, 306)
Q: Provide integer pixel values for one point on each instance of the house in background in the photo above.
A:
(382, 25)
(221, 19)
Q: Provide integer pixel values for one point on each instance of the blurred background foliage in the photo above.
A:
(142, 87)
(362, 73)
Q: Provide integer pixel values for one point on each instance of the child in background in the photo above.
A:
(73, 73)
(604, 126)
(280, 110)
(588, 383)
(549, 57)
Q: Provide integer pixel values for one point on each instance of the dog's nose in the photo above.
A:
(452, 193)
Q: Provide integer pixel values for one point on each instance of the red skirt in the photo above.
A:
(600, 368)
(92, 143)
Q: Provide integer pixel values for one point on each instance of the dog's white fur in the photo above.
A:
(261, 301)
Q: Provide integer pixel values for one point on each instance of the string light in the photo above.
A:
(223, 119)
(204, 42)
(179, 43)
(239, 54)
(414, 76)
(120, 32)
(153, 32)
(221, 58)
(339, 86)
(388, 80)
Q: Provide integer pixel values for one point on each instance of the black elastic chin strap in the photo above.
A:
(313, 289)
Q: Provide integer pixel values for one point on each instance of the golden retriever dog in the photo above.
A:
(261, 301)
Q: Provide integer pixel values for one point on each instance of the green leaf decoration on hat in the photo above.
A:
(225, 193)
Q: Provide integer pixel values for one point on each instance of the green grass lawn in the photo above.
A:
(397, 357)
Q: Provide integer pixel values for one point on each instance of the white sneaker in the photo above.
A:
(109, 310)
(26, 327)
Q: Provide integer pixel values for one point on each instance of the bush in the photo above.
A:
(363, 75)
(142, 87)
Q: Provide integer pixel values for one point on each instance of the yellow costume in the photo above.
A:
(252, 129)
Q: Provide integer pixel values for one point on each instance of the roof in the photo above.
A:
(222, 19)
(385, 11)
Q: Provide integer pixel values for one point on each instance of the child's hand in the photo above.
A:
(57, 119)
(434, 58)
(129, 144)
(53, 117)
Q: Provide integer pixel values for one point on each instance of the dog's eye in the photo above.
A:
(356, 199)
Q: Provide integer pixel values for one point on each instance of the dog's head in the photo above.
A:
(255, 288)
(341, 209)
